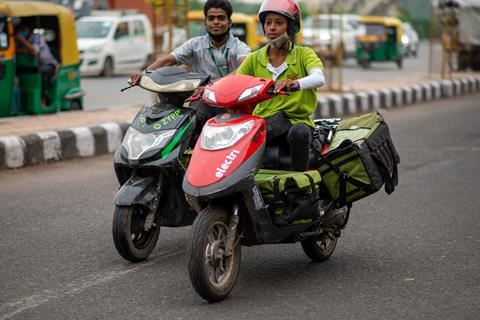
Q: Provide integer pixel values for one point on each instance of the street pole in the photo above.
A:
(169, 10)
(154, 23)
(430, 42)
(342, 51)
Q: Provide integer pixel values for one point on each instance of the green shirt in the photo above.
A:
(299, 105)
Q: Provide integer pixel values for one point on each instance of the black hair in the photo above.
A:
(220, 4)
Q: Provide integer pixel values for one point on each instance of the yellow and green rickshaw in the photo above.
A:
(381, 41)
(20, 78)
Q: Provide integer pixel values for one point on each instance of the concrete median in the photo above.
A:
(50, 146)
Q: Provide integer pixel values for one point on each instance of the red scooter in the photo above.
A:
(220, 184)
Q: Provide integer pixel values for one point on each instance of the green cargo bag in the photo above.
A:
(361, 159)
(291, 196)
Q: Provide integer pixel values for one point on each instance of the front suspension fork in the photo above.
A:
(150, 218)
(232, 231)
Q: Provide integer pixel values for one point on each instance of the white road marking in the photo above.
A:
(10, 309)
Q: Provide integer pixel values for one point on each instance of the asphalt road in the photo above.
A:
(103, 93)
(412, 255)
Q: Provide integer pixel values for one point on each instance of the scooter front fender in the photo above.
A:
(138, 190)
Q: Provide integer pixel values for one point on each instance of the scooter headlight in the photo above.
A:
(217, 138)
(250, 92)
(137, 143)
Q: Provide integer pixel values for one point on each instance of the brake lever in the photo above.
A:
(146, 71)
(129, 87)
(193, 99)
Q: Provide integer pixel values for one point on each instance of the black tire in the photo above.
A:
(131, 240)
(399, 63)
(108, 67)
(75, 105)
(321, 248)
(365, 64)
(207, 241)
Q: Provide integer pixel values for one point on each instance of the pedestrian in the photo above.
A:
(287, 117)
(35, 45)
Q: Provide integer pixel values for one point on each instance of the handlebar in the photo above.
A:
(126, 88)
(284, 92)
(194, 99)
(145, 72)
(295, 87)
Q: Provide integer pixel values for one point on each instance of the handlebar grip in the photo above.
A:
(294, 87)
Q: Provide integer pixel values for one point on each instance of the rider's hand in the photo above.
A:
(134, 79)
(285, 83)
(199, 91)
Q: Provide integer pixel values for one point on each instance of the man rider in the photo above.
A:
(217, 53)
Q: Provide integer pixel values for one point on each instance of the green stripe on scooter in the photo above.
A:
(175, 140)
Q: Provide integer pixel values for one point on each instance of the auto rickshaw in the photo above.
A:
(380, 42)
(20, 78)
(244, 27)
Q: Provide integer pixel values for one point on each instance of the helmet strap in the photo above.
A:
(291, 28)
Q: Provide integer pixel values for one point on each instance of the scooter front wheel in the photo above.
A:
(213, 270)
(319, 249)
(135, 232)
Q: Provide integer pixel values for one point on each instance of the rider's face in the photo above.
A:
(216, 21)
(275, 25)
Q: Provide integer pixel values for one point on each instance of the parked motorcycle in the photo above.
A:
(151, 162)
(221, 179)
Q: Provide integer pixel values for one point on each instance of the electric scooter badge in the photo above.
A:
(226, 163)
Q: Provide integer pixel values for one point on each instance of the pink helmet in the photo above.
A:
(287, 8)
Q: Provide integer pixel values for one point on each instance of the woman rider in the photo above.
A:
(288, 117)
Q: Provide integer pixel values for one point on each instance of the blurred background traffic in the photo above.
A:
(359, 41)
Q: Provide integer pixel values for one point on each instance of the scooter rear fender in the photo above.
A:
(138, 190)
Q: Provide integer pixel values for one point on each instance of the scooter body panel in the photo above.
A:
(137, 190)
(139, 179)
(211, 167)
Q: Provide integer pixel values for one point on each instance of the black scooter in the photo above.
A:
(151, 162)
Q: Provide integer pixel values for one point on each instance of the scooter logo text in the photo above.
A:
(226, 163)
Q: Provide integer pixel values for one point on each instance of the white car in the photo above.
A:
(410, 40)
(114, 42)
(323, 31)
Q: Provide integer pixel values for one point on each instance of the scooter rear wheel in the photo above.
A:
(132, 241)
(213, 271)
(319, 249)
